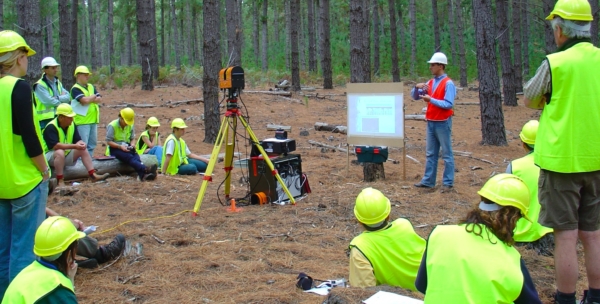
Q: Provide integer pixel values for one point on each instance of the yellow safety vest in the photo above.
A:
(141, 149)
(179, 157)
(93, 113)
(22, 291)
(568, 140)
(44, 112)
(18, 173)
(121, 134)
(527, 231)
(68, 139)
(470, 269)
(395, 253)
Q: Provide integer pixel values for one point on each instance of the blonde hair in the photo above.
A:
(9, 59)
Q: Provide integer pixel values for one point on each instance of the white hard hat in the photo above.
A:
(49, 62)
(438, 57)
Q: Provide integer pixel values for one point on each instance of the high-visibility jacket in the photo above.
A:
(179, 157)
(18, 173)
(141, 145)
(395, 253)
(93, 113)
(34, 282)
(466, 268)
(567, 138)
(527, 231)
(434, 112)
(62, 137)
(44, 112)
(121, 134)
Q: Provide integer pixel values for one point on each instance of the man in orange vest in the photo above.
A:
(439, 94)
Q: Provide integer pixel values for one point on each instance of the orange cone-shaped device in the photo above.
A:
(232, 207)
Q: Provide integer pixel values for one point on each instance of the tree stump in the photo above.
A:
(373, 172)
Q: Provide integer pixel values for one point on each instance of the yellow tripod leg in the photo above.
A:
(229, 149)
(214, 157)
(267, 160)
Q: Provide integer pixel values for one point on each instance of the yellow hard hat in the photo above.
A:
(529, 132)
(65, 109)
(153, 122)
(54, 236)
(577, 10)
(371, 206)
(507, 189)
(128, 115)
(178, 123)
(10, 41)
(82, 69)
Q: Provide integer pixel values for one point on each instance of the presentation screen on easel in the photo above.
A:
(375, 114)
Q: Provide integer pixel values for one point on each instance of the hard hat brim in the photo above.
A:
(30, 51)
(72, 114)
(129, 122)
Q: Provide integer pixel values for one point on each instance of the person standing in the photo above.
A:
(439, 94)
(149, 141)
(85, 104)
(24, 172)
(567, 148)
(49, 92)
(177, 157)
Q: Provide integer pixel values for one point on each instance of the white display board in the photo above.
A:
(375, 114)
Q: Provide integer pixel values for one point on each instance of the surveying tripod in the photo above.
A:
(227, 133)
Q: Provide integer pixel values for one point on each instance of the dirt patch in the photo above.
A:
(255, 255)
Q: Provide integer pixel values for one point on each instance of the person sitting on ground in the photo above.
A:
(525, 168)
(63, 145)
(475, 262)
(149, 141)
(120, 137)
(387, 252)
(52, 278)
(177, 158)
(49, 92)
(88, 247)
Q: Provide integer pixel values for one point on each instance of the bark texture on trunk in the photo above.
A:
(212, 66)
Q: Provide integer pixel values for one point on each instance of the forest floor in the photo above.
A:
(254, 256)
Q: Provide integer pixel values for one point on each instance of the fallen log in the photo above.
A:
(112, 166)
(321, 126)
(176, 103)
(132, 105)
(288, 94)
(467, 104)
(414, 117)
(272, 127)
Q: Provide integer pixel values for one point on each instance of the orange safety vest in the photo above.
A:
(434, 112)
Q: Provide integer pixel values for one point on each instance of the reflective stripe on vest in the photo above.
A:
(43, 111)
(395, 253)
(21, 290)
(141, 145)
(61, 135)
(120, 134)
(18, 173)
(568, 140)
(93, 113)
(179, 157)
(466, 268)
(527, 231)
(434, 112)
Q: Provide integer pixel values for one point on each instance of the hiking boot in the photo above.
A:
(152, 169)
(89, 263)
(421, 185)
(99, 177)
(112, 250)
(447, 188)
(147, 177)
(52, 183)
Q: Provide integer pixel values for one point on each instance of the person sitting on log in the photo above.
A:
(149, 141)
(63, 145)
(120, 137)
(177, 157)
(387, 252)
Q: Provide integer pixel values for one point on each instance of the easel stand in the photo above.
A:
(227, 133)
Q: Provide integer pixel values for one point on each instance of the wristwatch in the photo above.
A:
(46, 171)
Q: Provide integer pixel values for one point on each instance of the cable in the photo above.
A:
(140, 220)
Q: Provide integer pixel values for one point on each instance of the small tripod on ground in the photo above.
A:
(232, 81)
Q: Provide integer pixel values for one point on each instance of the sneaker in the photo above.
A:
(99, 177)
(112, 250)
(421, 185)
(149, 177)
(89, 263)
(447, 188)
(152, 169)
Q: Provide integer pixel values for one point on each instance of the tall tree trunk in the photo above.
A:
(394, 40)
(376, 35)
(276, 23)
(312, 43)
(1, 15)
(188, 33)
(452, 31)
(402, 64)
(436, 26)
(129, 40)
(110, 39)
(154, 66)
(492, 117)
(95, 64)
(525, 36)
(49, 34)
(233, 52)
(548, 5)
(508, 75)
(212, 66)
(146, 34)
(175, 38)
(358, 52)
(288, 33)
(325, 35)
(516, 32)
(29, 20)
(413, 35)
(301, 38)
(461, 43)
(264, 36)
(162, 33)
(256, 33)
(295, 26)
(195, 38)
(240, 28)
(594, 27)
(367, 41)
(68, 54)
